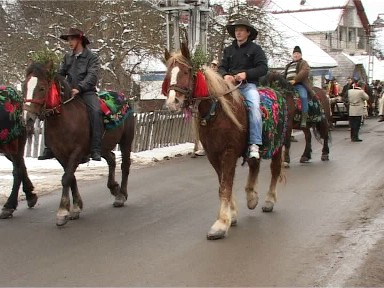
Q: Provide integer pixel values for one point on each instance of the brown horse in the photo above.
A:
(12, 146)
(68, 134)
(319, 120)
(223, 126)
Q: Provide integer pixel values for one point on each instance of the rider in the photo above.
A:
(81, 67)
(297, 73)
(245, 62)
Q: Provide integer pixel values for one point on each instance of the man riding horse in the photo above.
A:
(81, 67)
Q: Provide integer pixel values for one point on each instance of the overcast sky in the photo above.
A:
(373, 8)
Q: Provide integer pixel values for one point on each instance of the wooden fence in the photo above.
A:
(153, 130)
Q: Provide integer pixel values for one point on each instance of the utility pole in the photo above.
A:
(193, 13)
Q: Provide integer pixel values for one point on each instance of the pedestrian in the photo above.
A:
(81, 67)
(243, 63)
(297, 73)
(356, 99)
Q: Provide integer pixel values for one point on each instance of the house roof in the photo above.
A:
(315, 15)
(312, 53)
(378, 66)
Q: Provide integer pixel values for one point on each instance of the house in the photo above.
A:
(339, 27)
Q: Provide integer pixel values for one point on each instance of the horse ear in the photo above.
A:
(49, 65)
(185, 50)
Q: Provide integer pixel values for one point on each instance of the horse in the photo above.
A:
(13, 136)
(319, 118)
(68, 134)
(223, 130)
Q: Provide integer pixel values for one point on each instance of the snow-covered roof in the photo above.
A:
(377, 68)
(309, 21)
(312, 53)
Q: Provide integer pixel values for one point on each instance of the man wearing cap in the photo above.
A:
(297, 73)
(356, 99)
(81, 67)
(245, 62)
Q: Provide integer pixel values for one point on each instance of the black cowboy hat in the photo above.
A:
(242, 22)
(75, 33)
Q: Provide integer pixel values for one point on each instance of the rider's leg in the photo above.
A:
(97, 126)
(304, 104)
(252, 97)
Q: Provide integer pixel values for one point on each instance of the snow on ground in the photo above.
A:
(46, 175)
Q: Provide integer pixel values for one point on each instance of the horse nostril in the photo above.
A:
(177, 101)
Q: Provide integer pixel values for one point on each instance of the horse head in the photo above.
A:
(178, 83)
(41, 92)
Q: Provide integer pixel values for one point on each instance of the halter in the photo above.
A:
(45, 112)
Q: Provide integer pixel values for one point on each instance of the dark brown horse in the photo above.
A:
(319, 120)
(222, 128)
(68, 134)
(13, 136)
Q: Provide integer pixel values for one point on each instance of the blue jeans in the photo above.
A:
(252, 98)
(303, 93)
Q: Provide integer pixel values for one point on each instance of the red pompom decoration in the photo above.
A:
(201, 88)
(53, 99)
(165, 86)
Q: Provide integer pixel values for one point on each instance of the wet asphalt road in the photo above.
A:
(316, 236)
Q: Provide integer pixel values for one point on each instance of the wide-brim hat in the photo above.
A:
(75, 33)
(242, 22)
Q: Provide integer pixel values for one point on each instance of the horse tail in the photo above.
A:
(321, 130)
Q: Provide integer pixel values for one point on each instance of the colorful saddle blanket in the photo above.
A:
(315, 110)
(116, 108)
(275, 118)
(11, 105)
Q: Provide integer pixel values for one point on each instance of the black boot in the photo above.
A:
(47, 154)
(95, 155)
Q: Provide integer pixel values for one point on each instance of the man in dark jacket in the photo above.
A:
(245, 62)
(81, 67)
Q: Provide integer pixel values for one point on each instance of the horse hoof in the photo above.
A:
(234, 222)
(61, 220)
(285, 164)
(74, 215)
(324, 158)
(304, 159)
(119, 201)
(32, 201)
(252, 203)
(216, 234)
(6, 213)
(268, 206)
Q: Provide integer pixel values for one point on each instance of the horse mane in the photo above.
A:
(63, 86)
(277, 81)
(217, 87)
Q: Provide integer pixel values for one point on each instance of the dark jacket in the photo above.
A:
(248, 58)
(82, 72)
(302, 75)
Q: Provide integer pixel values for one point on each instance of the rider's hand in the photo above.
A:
(292, 82)
(230, 78)
(75, 92)
(240, 76)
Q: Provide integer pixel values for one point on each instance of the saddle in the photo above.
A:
(315, 109)
(116, 108)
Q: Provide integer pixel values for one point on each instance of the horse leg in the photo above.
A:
(234, 211)
(250, 187)
(63, 214)
(12, 201)
(77, 201)
(271, 198)
(287, 147)
(325, 150)
(28, 187)
(226, 171)
(308, 147)
(112, 184)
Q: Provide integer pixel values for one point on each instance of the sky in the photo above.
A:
(373, 8)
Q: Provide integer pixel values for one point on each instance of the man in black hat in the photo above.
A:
(245, 62)
(297, 73)
(81, 67)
